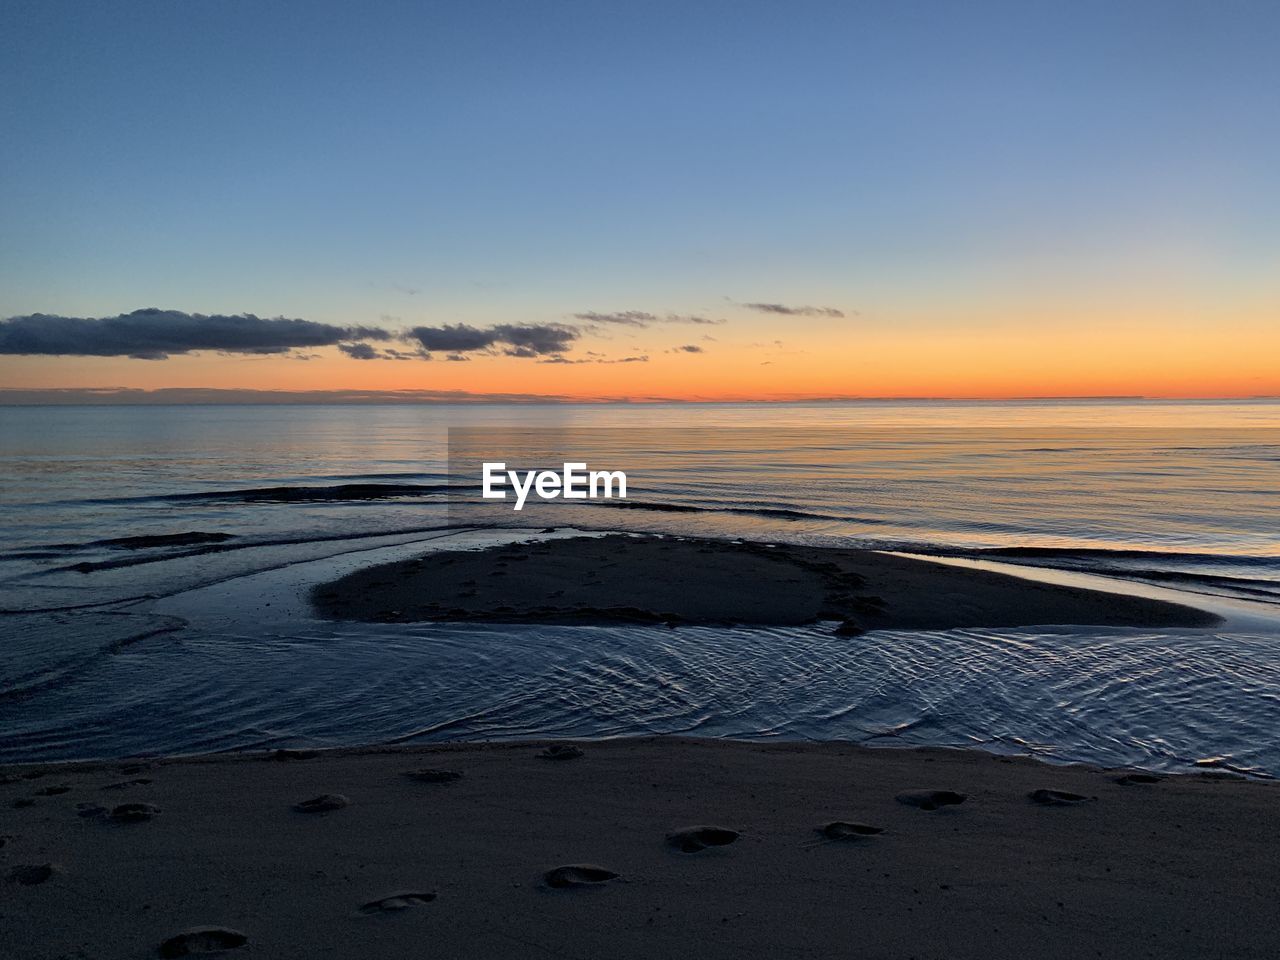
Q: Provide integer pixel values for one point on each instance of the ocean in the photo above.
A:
(153, 561)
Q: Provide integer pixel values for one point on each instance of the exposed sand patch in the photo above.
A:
(665, 580)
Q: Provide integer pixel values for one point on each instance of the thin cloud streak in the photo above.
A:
(781, 309)
(642, 318)
(643, 358)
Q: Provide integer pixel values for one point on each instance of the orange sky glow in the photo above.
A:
(851, 358)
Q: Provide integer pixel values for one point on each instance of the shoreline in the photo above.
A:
(1133, 868)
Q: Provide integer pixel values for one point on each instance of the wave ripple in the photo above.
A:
(1165, 701)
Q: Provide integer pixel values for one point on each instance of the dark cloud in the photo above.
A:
(641, 318)
(154, 334)
(365, 351)
(687, 348)
(360, 351)
(452, 337)
(514, 340)
(541, 339)
(784, 310)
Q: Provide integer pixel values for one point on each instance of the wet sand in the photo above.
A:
(651, 579)
(634, 849)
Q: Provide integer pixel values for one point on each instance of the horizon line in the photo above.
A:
(231, 396)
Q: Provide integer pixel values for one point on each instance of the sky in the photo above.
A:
(694, 200)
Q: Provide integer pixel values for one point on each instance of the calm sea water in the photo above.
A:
(116, 646)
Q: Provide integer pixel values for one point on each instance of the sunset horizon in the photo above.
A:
(732, 480)
(657, 359)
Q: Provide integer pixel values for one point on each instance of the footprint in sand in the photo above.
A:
(30, 874)
(125, 784)
(1057, 798)
(578, 875)
(322, 804)
(1132, 779)
(432, 775)
(133, 813)
(397, 902)
(202, 940)
(931, 799)
(844, 830)
(694, 839)
(561, 751)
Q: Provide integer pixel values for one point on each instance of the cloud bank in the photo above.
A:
(154, 334)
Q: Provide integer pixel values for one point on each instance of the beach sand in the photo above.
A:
(407, 867)
(653, 579)
(659, 847)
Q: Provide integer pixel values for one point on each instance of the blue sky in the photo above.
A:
(497, 162)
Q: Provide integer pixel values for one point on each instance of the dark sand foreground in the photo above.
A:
(1182, 867)
(651, 579)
